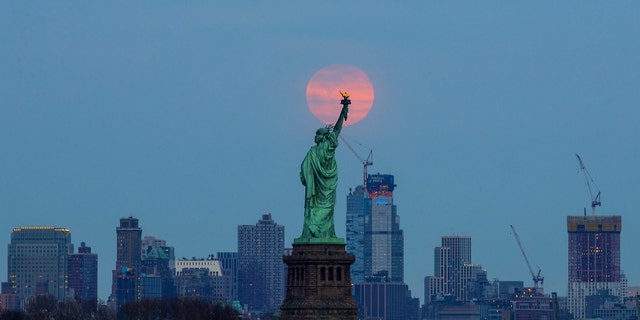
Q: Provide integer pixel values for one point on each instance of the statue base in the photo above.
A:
(319, 283)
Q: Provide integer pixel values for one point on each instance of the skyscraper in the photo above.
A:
(459, 254)
(83, 274)
(158, 265)
(358, 207)
(229, 264)
(594, 259)
(383, 238)
(260, 267)
(375, 239)
(129, 244)
(38, 257)
(126, 276)
(453, 270)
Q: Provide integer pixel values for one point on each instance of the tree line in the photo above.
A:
(46, 307)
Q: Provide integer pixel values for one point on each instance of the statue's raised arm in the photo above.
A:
(343, 114)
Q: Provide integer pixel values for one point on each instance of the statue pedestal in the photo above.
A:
(319, 283)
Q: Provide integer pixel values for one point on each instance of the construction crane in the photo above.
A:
(536, 277)
(365, 162)
(595, 201)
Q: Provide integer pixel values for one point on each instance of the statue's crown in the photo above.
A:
(323, 131)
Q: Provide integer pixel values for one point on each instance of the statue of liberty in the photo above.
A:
(319, 175)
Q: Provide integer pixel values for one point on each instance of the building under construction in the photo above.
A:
(594, 259)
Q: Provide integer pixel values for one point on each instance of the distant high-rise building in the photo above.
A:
(375, 239)
(594, 260)
(158, 265)
(126, 276)
(129, 244)
(83, 274)
(229, 264)
(432, 286)
(358, 207)
(261, 283)
(9, 299)
(202, 279)
(454, 273)
(474, 280)
(150, 242)
(384, 240)
(458, 254)
(379, 298)
(38, 260)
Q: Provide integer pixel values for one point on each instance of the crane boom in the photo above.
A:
(595, 201)
(536, 278)
(365, 162)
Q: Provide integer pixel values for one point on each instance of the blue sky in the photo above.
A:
(193, 119)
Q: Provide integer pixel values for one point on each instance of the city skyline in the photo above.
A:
(457, 248)
(179, 116)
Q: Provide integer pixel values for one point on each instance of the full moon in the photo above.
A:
(323, 93)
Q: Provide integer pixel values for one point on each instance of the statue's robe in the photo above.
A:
(319, 174)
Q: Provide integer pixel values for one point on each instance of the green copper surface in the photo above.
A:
(319, 175)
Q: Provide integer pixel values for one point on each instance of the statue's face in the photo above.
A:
(319, 138)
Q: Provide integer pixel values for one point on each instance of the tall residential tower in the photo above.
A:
(594, 259)
(83, 274)
(261, 284)
(229, 264)
(126, 276)
(454, 274)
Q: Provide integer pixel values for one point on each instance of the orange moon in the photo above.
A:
(323, 96)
